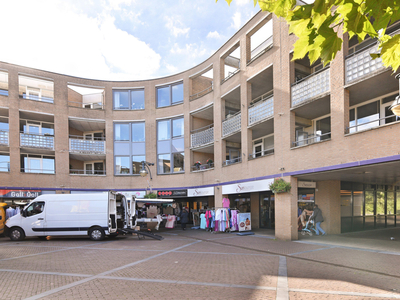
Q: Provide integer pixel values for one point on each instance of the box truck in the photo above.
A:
(96, 215)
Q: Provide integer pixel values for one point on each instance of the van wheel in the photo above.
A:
(96, 234)
(17, 234)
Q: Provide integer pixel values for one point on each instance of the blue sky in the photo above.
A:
(117, 39)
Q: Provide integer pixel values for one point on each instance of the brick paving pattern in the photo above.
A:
(195, 264)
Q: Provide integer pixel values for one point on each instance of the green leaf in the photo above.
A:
(390, 52)
(278, 7)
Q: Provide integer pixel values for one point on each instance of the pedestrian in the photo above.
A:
(318, 218)
(184, 218)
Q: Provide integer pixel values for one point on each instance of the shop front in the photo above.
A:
(20, 197)
(306, 195)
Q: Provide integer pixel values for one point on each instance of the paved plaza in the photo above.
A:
(195, 264)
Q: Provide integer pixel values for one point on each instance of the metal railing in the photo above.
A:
(92, 105)
(232, 161)
(38, 98)
(202, 136)
(311, 139)
(4, 137)
(261, 109)
(4, 166)
(78, 144)
(230, 74)
(311, 86)
(202, 167)
(42, 141)
(260, 49)
(231, 124)
(262, 153)
(3, 92)
(201, 93)
(371, 124)
(40, 171)
(87, 172)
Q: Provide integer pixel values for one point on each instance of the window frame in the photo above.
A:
(170, 91)
(129, 91)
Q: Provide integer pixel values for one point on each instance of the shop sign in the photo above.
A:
(20, 193)
(306, 184)
(244, 220)
(200, 192)
(138, 194)
(172, 193)
(247, 187)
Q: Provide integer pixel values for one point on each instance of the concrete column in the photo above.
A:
(13, 122)
(327, 196)
(286, 213)
(218, 196)
(255, 210)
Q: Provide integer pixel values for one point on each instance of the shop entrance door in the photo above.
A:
(267, 210)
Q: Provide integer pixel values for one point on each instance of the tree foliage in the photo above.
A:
(316, 26)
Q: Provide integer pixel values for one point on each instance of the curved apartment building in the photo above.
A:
(225, 128)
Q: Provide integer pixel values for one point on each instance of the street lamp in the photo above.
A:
(395, 107)
(143, 172)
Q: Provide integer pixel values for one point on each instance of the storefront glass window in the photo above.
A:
(240, 202)
(390, 203)
(369, 203)
(380, 203)
(346, 207)
(358, 200)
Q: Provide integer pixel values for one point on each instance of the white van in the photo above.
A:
(96, 215)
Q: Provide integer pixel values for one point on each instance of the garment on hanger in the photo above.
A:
(10, 212)
(202, 221)
(170, 221)
(226, 203)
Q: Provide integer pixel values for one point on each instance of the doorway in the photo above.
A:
(267, 210)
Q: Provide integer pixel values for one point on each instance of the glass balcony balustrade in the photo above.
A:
(202, 136)
(78, 144)
(262, 109)
(42, 141)
(311, 86)
(4, 137)
(231, 124)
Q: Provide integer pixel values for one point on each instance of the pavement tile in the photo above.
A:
(23, 285)
(229, 269)
(15, 251)
(108, 289)
(212, 247)
(313, 296)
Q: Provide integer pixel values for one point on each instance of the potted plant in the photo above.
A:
(280, 186)
(210, 163)
(197, 164)
(150, 196)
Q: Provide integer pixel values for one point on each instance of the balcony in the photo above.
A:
(304, 138)
(372, 121)
(232, 124)
(4, 137)
(78, 144)
(262, 109)
(39, 141)
(36, 89)
(87, 172)
(201, 93)
(232, 161)
(202, 136)
(198, 168)
(311, 86)
(261, 49)
(261, 153)
(37, 171)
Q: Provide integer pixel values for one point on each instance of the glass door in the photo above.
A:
(267, 210)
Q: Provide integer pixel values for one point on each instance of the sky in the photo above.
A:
(117, 39)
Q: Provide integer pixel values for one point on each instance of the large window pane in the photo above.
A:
(164, 130)
(122, 165)
(178, 145)
(390, 203)
(369, 115)
(137, 99)
(47, 129)
(121, 132)
(136, 163)
(121, 99)
(179, 158)
(358, 200)
(138, 132)
(398, 203)
(346, 207)
(4, 162)
(48, 165)
(380, 203)
(177, 93)
(369, 203)
(163, 96)
(177, 127)
(164, 164)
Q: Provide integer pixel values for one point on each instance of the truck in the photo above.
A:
(96, 215)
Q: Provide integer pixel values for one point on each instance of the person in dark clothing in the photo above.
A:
(318, 218)
(184, 218)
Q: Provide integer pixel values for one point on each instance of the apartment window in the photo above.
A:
(36, 127)
(36, 89)
(4, 83)
(4, 162)
(170, 94)
(94, 168)
(129, 147)
(263, 146)
(32, 163)
(128, 99)
(170, 148)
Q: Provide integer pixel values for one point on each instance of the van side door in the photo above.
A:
(33, 221)
(112, 212)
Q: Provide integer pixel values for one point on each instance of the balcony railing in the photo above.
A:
(311, 86)
(78, 144)
(373, 123)
(308, 139)
(40, 171)
(201, 93)
(232, 161)
(230, 74)
(37, 141)
(87, 172)
(4, 137)
(261, 49)
(4, 166)
(265, 152)
(38, 98)
(202, 136)
(231, 124)
(92, 105)
(202, 167)
(262, 109)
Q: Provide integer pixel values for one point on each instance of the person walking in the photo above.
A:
(184, 218)
(318, 218)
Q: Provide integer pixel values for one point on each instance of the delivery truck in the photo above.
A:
(96, 215)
